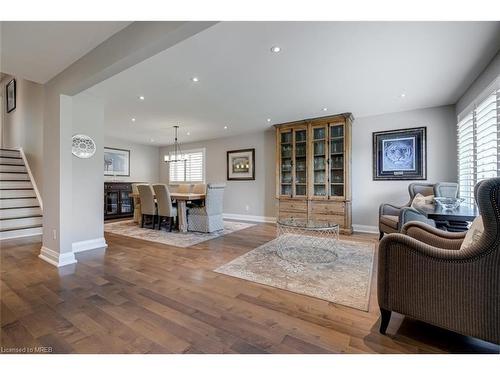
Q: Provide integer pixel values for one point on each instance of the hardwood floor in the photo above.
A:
(144, 297)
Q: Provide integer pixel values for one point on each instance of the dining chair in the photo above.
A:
(165, 208)
(148, 205)
(137, 204)
(199, 189)
(184, 188)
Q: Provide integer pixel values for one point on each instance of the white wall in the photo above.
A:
(144, 161)
(258, 195)
(87, 174)
(490, 73)
(23, 127)
(367, 194)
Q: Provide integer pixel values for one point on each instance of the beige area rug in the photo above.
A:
(130, 229)
(345, 278)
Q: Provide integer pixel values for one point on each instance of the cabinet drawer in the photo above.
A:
(293, 206)
(292, 215)
(335, 219)
(327, 208)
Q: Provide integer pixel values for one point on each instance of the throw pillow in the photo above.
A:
(474, 233)
(421, 200)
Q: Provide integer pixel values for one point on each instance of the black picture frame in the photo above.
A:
(247, 175)
(400, 154)
(10, 95)
(123, 152)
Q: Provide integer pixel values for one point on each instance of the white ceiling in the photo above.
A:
(358, 67)
(38, 51)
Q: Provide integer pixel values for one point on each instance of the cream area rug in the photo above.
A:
(343, 278)
(130, 229)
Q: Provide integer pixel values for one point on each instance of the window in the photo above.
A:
(193, 170)
(479, 145)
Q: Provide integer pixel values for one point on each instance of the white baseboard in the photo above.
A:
(254, 218)
(365, 228)
(94, 244)
(55, 258)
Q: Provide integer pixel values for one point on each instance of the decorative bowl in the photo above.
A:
(449, 203)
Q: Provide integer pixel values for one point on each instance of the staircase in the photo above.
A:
(20, 210)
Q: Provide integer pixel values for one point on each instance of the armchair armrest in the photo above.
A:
(408, 214)
(433, 236)
(389, 209)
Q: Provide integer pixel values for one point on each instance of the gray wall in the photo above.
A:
(144, 161)
(23, 127)
(367, 194)
(490, 73)
(258, 195)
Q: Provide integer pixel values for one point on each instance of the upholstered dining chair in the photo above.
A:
(209, 217)
(439, 278)
(392, 218)
(148, 205)
(165, 208)
(137, 205)
(199, 189)
(184, 188)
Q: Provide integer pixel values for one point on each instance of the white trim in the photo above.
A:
(55, 258)
(365, 228)
(254, 218)
(18, 233)
(96, 243)
(32, 179)
(493, 86)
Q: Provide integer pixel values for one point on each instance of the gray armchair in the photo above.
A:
(423, 273)
(392, 218)
(209, 217)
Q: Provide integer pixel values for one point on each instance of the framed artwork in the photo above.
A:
(400, 154)
(11, 95)
(241, 164)
(116, 162)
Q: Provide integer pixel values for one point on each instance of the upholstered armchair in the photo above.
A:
(427, 274)
(392, 218)
(209, 217)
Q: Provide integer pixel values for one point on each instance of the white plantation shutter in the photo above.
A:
(479, 145)
(190, 171)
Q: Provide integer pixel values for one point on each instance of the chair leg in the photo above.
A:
(381, 235)
(385, 317)
(142, 220)
(170, 223)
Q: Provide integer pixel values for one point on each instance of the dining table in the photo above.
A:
(181, 199)
(455, 220)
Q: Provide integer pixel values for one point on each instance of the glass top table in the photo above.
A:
(306, 241)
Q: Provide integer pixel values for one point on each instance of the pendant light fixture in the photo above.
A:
(177, 155)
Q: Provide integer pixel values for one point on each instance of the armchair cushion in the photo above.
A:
(390, 221)
(474, 233)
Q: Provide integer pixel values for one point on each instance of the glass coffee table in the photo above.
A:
(306, 241)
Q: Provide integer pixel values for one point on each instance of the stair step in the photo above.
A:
(14, 176)
(6, 204)
(11, 161)
(15, 193)
(6, 168)
(15, 185)
(10, 153)
(20, 212)
(10, 224)
(30, 230)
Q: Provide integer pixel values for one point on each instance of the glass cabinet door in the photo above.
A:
(337, 156)
(125, 202)
(111, 203)
(300, 162)
(319, 161)
(286, 146)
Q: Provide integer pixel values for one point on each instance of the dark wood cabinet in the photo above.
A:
(117, 203)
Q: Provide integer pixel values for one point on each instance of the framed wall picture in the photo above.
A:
(10, 91)
(400, 154)
(241, 164)
(116, 162)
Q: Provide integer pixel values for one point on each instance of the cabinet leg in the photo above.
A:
(385, 317)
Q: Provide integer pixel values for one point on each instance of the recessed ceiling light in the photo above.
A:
(403, 95)
(195, 79)
(188, 133)
(275, 49)
(268, 120)
(325, 109)
(133, 119)
(225, 127)
(141, 97)
(151, 140)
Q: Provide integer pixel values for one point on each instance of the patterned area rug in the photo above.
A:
(130, 229)
(344, 279)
